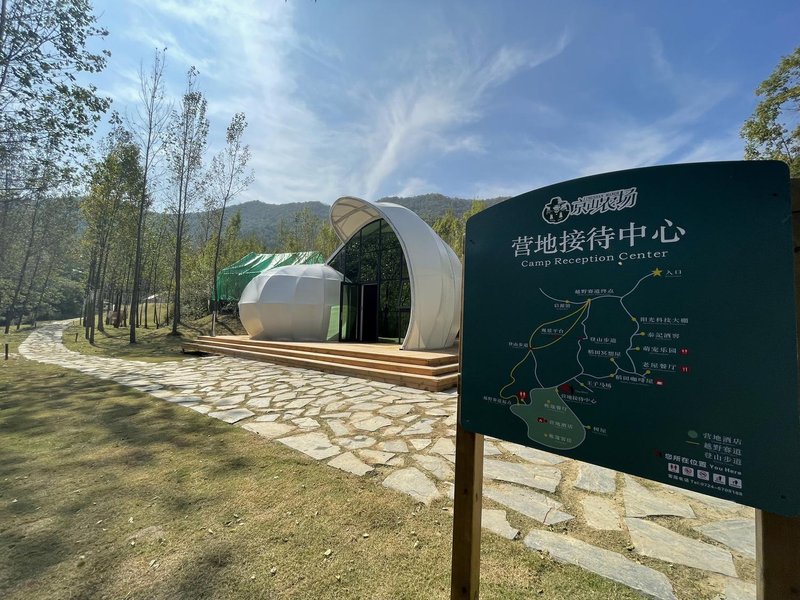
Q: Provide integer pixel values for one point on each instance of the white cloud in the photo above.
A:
(415, 186)
(426, 111)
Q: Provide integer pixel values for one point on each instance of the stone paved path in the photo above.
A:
(405, 439)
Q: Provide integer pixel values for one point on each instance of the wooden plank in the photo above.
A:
(465, 574)
(423, 382)
(378, 351)
(384, 362)
(778, 537)
(465, 571)
(777, 556)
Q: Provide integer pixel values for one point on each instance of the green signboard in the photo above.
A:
(642, 320)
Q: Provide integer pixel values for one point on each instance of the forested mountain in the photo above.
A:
(433, 206)
(262, 220)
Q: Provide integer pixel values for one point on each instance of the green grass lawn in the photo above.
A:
(152, 345)
(110, 493)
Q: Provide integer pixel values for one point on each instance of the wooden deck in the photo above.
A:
(434, 371)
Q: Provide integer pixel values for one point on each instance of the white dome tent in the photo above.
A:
(292, 303)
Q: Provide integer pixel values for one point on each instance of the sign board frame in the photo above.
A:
(777, 535)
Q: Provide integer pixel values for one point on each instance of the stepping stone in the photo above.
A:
(527, 502)
(659, 542)
(299, 403)
(261, 402)
(495, 521)
(348, 462)
(338, 428)
(356, 442)
(532, 454)
(231, 416)
(601, 514)
(367, 406)
(183, 399)
(395, 446)
(376, 457)
(605, 563)
(315, 444)
(268, 418)
(268, 430)
(397, 410)
(593, 478)
(437, 412)
(641, 502)
(413, 482)
(489, 449)
(230, 400)
(736, 589)
(535, 476)
(422, 427)
(393, 430)
(439, 467)
(372, 424)
(306, 423)
(336, 406)
(739, 534)
(420, 443)
(445, 447)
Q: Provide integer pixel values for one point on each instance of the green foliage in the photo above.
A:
(773, 130)
(300, 233)
(42, 104)
(198, 264)
(451, 228)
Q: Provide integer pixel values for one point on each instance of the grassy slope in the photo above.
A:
(152, 345)
(108, 493)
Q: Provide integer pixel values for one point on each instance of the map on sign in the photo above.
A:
(537, 381)
(643, 321)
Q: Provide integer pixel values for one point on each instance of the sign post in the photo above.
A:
(645, 321)
(778, 537)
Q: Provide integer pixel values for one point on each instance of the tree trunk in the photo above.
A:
(10, 313)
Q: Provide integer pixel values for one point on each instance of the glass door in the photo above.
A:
(349, 302)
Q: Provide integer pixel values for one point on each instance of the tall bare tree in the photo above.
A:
(150, 124)
(226, 179)
(187, 141)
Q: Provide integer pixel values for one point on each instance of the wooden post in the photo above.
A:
(465, 574)
(777, 556)
(778, 537)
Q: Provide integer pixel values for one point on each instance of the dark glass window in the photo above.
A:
(374, 256)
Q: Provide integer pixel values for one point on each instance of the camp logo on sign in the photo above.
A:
(558, 210)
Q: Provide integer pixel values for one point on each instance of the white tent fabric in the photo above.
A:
(291, 303)
(434, 269)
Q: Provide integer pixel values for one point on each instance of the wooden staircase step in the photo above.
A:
(371, 351)
(434, 383)
(375, 363)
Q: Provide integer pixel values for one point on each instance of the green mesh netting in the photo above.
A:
(232, 280)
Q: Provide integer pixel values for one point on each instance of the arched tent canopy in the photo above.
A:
(434, 269)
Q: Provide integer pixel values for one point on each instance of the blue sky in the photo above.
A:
(470, 99)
